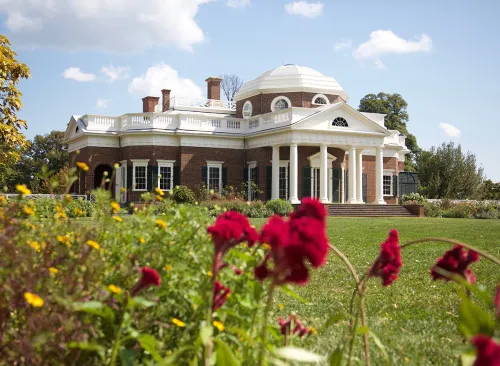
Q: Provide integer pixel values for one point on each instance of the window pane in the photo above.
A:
(387, 180)
(140, 177)
(283, 183)
(165, 178)
(252, 195)
(214, 178)
(280, 104)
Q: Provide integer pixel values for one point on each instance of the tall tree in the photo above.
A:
(394, 106)
(230, 85)
(446, 172)
(11, 72)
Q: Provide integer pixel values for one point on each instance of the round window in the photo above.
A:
(319, 100)
(247, 109)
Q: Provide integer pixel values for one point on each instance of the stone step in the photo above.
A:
(368, 210)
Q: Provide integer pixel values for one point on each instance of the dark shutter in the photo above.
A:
(204, 174)
(130, 176)
(177, 176)
(155, 174)
(395, 185)
(224, 177)
(306, 181)
(257, 182)
(149, 180)
(269, 182)
(245, 175)
(365, 185)
(336, 174)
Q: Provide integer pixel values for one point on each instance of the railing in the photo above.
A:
(253, 123)
(232, 124)
(202, 103)
(56, 196)
(102, 123)
(147, 120)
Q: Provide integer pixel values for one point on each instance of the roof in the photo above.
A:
(288, 78)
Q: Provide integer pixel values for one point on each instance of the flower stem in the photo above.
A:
(454, 242)
(364, 322)
(353, 337)
(116, 345)
(270, 292)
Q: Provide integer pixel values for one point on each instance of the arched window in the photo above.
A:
(280, 103)
(247, 109)
(320, 99)
(339, 122)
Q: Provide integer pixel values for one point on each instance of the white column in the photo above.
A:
(359, 174)
(294, 171)
(379, 176)
(342, 187)
(275, 192)
(352, 176)
(330, 186)
(323, 174)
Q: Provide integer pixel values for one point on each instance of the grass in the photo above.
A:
(415, 318)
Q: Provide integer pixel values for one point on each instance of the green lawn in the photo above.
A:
(415, 318)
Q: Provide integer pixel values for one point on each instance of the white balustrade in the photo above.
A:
(233, 124)
(202, 103)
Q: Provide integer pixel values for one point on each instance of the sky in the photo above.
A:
(103, 56)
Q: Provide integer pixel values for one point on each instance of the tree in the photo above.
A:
(230, 85)
(489, 190)
(11, 72)
(446, 172)
(394, 106)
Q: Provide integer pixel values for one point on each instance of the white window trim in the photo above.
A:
(320, 96)
(285, 164)
(251, 165)
(166, 164)
(278, 98)
(391, 174)
(243, 109)
(214, 164)
(138, 163)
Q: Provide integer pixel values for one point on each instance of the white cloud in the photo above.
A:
(385, 41)
(160, 77)
(74, 73)
(379, 64)
(103, 103)
(238, 3)
(104, 25)
(342, 45)
(113, 73)
(309, 10)
(450, 130)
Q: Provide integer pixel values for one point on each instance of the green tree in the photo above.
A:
(446, 172)
(394, 106)
(489, 190)
(11, 72)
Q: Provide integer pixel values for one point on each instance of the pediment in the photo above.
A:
(74, 128)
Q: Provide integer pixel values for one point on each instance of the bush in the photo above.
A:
(412, 199)
(280, 207)
(470, 209)
(182, 194)
(254, 209)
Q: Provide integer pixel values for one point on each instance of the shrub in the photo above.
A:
(280, 207)
(413, 198)
(182, 194)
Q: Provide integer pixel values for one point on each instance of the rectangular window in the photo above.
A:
(214, 178)
(283, 182)
(140, 177)
(252, 182)
(387, 184)
(166, 176)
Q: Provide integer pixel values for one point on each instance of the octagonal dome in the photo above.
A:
(291, 78)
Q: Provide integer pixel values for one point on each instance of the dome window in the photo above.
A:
(280, 103)
(339, 122)
(320, 99)
(247, 109)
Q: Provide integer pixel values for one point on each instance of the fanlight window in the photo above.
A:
(247, 109)
(280, 104)
(320, 100)
(340, 122)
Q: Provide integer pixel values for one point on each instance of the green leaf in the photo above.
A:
(96, 308)
(335, 359)
(362, 330)
(127, 356)
(148, 343)
(140, 302)
(225, 356)
(298, 354)
(380, 346)
(333, 320)
(287, 290)
(466, 359)
(91, 347)
(206, 332)
(174, 356)
(473, 320)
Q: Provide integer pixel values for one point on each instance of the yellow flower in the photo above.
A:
(142, 240)
(82, 166)
(115, 289)
(210, 274)
(117, 218)
(168, 268)
(244, 245)
(211, 191)
(33, 300)
(281, 306)
(266, 246)
(115, 206)
(116, 166)
(68, 198)
(21, 188)
(34, 245)
(178, 322)
(219, 325)
(28, 210)
(123, 190)
(53, 270)
(313, 330)
(161, 224)
(64, 239)
(93, 244)
(159, 192)
(3, 200)
(159, 198)
(78, 212)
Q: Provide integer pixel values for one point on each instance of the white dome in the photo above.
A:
(291, 78)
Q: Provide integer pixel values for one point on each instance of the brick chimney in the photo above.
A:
(166, 99)
(213, 88)
(149, 104)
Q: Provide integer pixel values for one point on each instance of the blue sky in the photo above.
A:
(441, 56)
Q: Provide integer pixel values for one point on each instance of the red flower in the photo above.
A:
(230, 229)
(388, 263)
(487, 351)
(284, 325)
(311, 208)
(149, 277)
(220, 295)
(456, 261)
(497, 302)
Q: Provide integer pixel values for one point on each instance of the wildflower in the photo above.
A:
(21, 188)
(456, 261)
(142, 240)
(313, 330)
(116, 166)
(28, 210)
(210, 274)
(281, 306)
(3, 200)
(159, 198)
(93, 244)
(82, 166)
(123, 190)
(78, 212)
(115, 206)
(115, 289)
(149, 277)
(159, 192)
(64, 239)
(34, 245)
(117, 218)
(388, 263)
(219, 325)
(178, 322)
(34, 300)
(221, 293)
(211, 192)
(497, 302)
(487, 351)
(284, 325)
(161, 224)
(68, 198)
(53, 270)
(168, 267)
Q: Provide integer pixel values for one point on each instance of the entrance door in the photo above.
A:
(315, 182)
